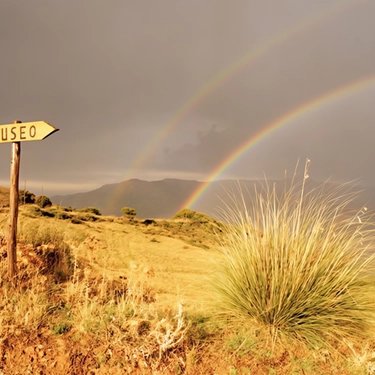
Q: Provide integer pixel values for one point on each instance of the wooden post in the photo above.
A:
(13, 207)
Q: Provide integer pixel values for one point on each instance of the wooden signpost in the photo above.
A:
(16, 133)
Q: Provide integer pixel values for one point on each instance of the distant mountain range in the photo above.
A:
(151, 199)
(163, 199)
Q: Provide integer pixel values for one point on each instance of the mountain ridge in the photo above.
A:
(164, 198)
(157, 199)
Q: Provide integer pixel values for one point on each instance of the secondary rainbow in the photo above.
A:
(232, 70)
(218, 80)
(271, 127)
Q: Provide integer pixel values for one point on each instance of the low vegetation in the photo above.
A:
(42, 201)
(301, 265)
(26, 197)
(129, 212)
(91, 210)
(280, 287)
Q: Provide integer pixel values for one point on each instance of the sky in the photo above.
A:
(169, 89)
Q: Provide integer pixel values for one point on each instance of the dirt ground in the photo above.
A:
(40, 353)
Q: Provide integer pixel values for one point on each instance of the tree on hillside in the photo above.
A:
(129, 212)
(43, 201)
(26, 197)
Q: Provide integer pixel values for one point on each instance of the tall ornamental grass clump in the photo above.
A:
(300, 263)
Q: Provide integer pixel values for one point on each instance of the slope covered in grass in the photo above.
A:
(107, 295)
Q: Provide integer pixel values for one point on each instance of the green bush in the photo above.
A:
(193, 216)
(127, 211)
(26, 197)
(298, 264)
(92, 210)
(42, 201)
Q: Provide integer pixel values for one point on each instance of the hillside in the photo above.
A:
(108, 295)
(82, 258)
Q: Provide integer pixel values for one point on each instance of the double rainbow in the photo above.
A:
(223, 76)
(234, 69)
(295, 113)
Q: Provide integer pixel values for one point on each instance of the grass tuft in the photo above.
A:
(298, 263)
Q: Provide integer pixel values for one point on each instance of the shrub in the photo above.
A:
(48, 213)
(42, 201)
(91, 210)
(298, 263)
(193, 216)
(127, 211)
(66, 209)
(34, 211)
(86, 217)
(26, 197)
(63, 216)
(75, 220)
(149, 222)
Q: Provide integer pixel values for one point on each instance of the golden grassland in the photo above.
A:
(109, 295)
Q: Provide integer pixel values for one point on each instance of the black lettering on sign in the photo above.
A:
(4, 134)
(32, 131)
(14, 135)
(22, 132)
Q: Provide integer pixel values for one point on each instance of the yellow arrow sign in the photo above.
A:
(26, 131)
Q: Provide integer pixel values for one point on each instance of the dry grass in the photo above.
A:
(110, 297)
(300, 264)
(117, 285)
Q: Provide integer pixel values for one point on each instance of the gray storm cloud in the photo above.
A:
(111, 75)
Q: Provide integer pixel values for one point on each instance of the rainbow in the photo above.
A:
(237, 67)
(295, 113)
(220, 78)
